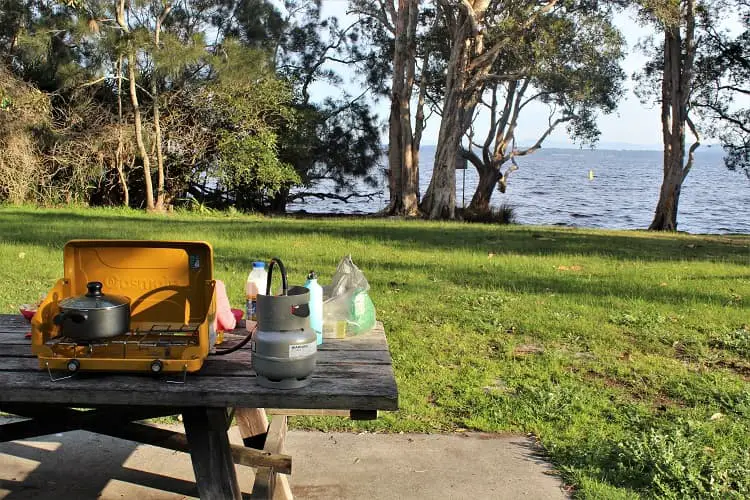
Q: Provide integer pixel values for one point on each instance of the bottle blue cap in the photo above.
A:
(259, 263)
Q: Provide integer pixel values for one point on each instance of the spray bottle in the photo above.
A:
(316, 305)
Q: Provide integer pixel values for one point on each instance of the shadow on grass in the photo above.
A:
(581, 286)
(52, 228)
(567, 284)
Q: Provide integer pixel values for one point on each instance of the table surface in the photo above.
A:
(351, 374)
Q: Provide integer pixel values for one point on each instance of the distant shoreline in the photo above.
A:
(609, 147)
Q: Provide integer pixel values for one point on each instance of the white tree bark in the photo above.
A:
(132, 61)
(468, 67)
(403, 154)
(677, 81)
(160, 192)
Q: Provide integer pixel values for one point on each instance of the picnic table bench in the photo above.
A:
(353, 377)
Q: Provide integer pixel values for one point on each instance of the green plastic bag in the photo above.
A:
(361, 314)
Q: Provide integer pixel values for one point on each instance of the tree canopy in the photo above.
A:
(202, 100)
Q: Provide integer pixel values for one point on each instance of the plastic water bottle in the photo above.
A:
(254, 286)
(316, 305)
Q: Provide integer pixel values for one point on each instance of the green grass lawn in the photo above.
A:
(626, 353)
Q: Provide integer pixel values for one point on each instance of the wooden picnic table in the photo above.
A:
(353, 377)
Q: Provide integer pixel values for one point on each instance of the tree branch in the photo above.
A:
(323, 58)
(473, 158)
(734, 89)
(493, 127)
(490, 54)
(323, 196)
(468, 10)
(538, 143)
(693, 147)
(347, 105)
(94, 82)
(722, 115)
(381, 17)
(511, 132)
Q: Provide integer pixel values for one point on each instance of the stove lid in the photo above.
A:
(166, 281)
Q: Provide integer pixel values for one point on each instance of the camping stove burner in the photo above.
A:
(156, 334)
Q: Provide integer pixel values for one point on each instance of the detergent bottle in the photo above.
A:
(254, 286)
(316, 305)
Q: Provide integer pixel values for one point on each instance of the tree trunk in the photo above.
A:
(132, 61)
(439, 201)
(160, 193)
(665, 218)
(120, 146)
(394, 155)
(409, 170)
(139, 131)
(277, 203)
(121, 172)
(488, 178)
(677, 80)
(419, 124)
(395, 147)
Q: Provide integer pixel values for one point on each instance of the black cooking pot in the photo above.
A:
(94, 315)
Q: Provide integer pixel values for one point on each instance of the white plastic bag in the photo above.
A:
(347, 309)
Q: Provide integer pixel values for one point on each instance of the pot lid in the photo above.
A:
(94, 299)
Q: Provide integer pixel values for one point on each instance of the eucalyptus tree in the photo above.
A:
(723, 82)
(514, 52)
(674, 69)
(698, 75)
(570, 62)
(402, 28)
(161, 11)
(403, 143)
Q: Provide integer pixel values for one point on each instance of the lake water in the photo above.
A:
(552, 186)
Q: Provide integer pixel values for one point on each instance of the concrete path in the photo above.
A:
(327, 466)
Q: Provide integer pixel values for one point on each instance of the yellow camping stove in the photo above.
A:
(172, 307)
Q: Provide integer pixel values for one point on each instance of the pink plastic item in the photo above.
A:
(225, 319)
(238, 313)
(27, 313)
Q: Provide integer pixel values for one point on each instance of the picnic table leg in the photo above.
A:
(269, 484)
(253, 424)
(215, 475)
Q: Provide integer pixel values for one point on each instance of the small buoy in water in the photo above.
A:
(591, 175)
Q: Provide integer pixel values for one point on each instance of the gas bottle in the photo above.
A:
(316, 305)
(284, 347)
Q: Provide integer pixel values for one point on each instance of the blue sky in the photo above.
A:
(632, 125)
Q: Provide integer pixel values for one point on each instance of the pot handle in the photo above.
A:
(75, 317)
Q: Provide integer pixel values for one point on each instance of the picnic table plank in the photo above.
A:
(217, 363)
(345, 378)
(352, 387)
(212, 367)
